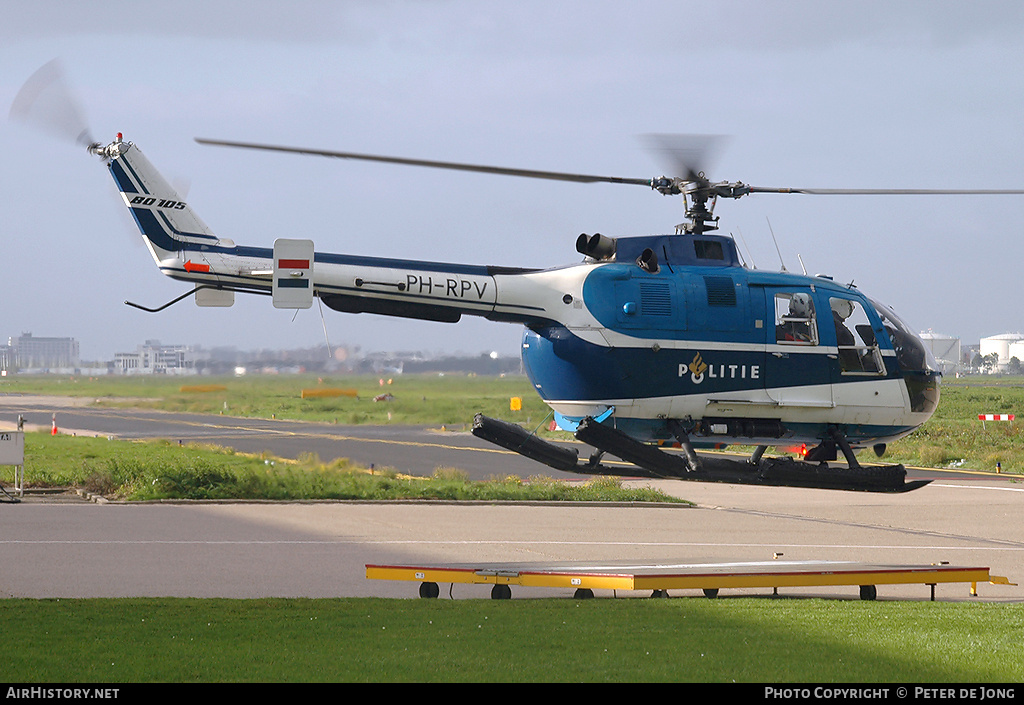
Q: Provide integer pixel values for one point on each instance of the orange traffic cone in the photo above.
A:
(53, 431)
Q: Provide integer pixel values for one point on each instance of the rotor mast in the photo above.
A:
(697, 191)
(701, 218)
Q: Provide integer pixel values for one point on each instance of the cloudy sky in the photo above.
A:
(811, 94)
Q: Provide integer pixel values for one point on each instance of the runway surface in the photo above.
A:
(54, 548)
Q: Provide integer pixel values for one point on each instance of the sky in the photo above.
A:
(869, 94)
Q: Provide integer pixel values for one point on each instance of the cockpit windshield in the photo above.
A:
(911, 353)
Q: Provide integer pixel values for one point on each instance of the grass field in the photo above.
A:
(148, 470)
(142, 471)
(414, 399)
(953, 437)
(743, 640)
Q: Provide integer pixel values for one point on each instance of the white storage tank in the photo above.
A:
(945, 349)
(1017, 351)
(1000, 345)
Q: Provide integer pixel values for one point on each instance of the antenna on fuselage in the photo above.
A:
(776, 244)
(753, 265)
(327, 338)
(739, 250)
(801, 263)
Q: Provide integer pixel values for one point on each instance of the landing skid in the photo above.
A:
(652, 462)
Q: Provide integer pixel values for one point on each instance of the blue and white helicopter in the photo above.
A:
(647, 343)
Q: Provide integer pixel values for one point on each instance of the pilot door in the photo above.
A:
(798, 370)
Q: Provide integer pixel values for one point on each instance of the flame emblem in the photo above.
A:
(697, 369)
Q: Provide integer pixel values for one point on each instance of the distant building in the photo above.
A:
(1005, 347)
(30, 352)
(153, 358)
(945, 349)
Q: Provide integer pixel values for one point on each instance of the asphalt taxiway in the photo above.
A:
(68, 547)
(320, 549)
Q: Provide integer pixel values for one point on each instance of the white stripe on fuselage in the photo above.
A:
(879, 402)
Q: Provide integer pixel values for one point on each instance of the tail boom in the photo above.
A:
(185, 249)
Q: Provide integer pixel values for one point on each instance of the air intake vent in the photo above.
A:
(655, 299)
(721, 291)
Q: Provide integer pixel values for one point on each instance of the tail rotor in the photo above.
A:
(46, 102)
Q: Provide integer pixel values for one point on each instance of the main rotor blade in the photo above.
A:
(670, 144)
(457, 166)
(886, 191)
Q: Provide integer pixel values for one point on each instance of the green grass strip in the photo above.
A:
(750, 640)
(153, 470)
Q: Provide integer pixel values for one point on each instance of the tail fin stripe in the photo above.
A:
(121, 177)
(153, 230)
(175, 231)
(135, 178)
(158, 229)
(127, 178)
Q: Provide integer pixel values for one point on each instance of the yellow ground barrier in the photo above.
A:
(328, 392)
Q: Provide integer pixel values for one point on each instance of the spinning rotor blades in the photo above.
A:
(46, 102)
(686, 154)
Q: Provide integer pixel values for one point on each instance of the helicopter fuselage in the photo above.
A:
(710, 343)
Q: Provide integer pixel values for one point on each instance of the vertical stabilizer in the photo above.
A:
(167, 222)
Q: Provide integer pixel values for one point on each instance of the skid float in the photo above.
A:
(708, 577)
(651, 461)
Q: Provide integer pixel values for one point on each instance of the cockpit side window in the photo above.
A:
(795, 323)
(911, 354)
(858, 348)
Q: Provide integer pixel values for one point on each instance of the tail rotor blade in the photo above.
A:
(47, 103)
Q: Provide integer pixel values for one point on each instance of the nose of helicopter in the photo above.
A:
(916, 363)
